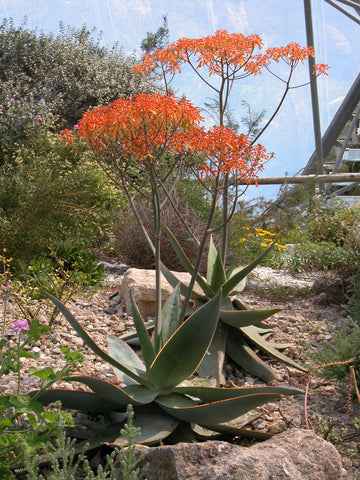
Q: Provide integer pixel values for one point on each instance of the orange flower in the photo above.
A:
(226, 152)
(67, 136)
(145, 127)
(223, 54)
(321, 68)
(138, 127)
(231, 56)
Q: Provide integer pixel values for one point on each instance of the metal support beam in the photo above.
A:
(337, 124)
(344, 11)
(347, 139)
(313, 88)
(337, 177)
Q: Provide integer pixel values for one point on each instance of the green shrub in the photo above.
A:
(134, 250)
(311, 256)
(353, 299)
(330, 222)
(51, 195)
(66, 74)
(336, 355)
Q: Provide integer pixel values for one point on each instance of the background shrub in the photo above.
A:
(132, 247)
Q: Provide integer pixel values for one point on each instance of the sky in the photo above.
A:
(278, 22)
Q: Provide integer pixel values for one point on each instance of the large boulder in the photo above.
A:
(293, 455)
(142, 284)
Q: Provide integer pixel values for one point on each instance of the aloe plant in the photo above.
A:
(157, 386)
(240, 330)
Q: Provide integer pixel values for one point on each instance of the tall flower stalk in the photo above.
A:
(221, 60)
(139, 141)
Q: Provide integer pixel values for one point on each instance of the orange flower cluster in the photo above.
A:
(67, 136)
(227, 152)
(143, 127)
(138, 126)
(223, 53)
(293, 53)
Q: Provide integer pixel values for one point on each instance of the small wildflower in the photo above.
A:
(298, 209)
(38, 117)
(242, 240)
(12, 100)
(21, 325)
(250, 235)
(1, 111)
(5, 287)
(264, 245)
(76, 127)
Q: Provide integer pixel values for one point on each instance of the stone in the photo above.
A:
(292, 455)
(142, 284)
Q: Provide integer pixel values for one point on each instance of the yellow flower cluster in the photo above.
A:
(264, 238)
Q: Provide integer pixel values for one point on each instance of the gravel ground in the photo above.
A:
(302, 319)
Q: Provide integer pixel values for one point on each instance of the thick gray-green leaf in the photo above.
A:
(77, 400)
(229, 286)
(219, 411)
(133, 394)
(267, 347)
(124, 354)
(241, 353)
(213, 362)
(182, 353)
(241, 285)
(170, 315)
(244, 318)
(186, 262)
(136, 374)
(154, 424)
(147, 348)
(210, 394)
(173, 281)
(212, 253)
(218, 277)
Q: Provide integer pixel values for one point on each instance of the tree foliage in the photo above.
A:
(61, 76)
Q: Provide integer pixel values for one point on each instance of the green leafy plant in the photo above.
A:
(239, 329)
(65, 459)
(310, 256)
(163, 398)
(25, 425)
(336, 355)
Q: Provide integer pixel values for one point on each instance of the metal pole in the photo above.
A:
(343, 10)
(347, 138)
(342, 115)
(313, 88)
(336, 177)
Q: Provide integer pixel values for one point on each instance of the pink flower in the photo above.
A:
(5, 287)
(12, 100)
(298, 209)
(21, 325)
(38, 117)
(76, 127)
